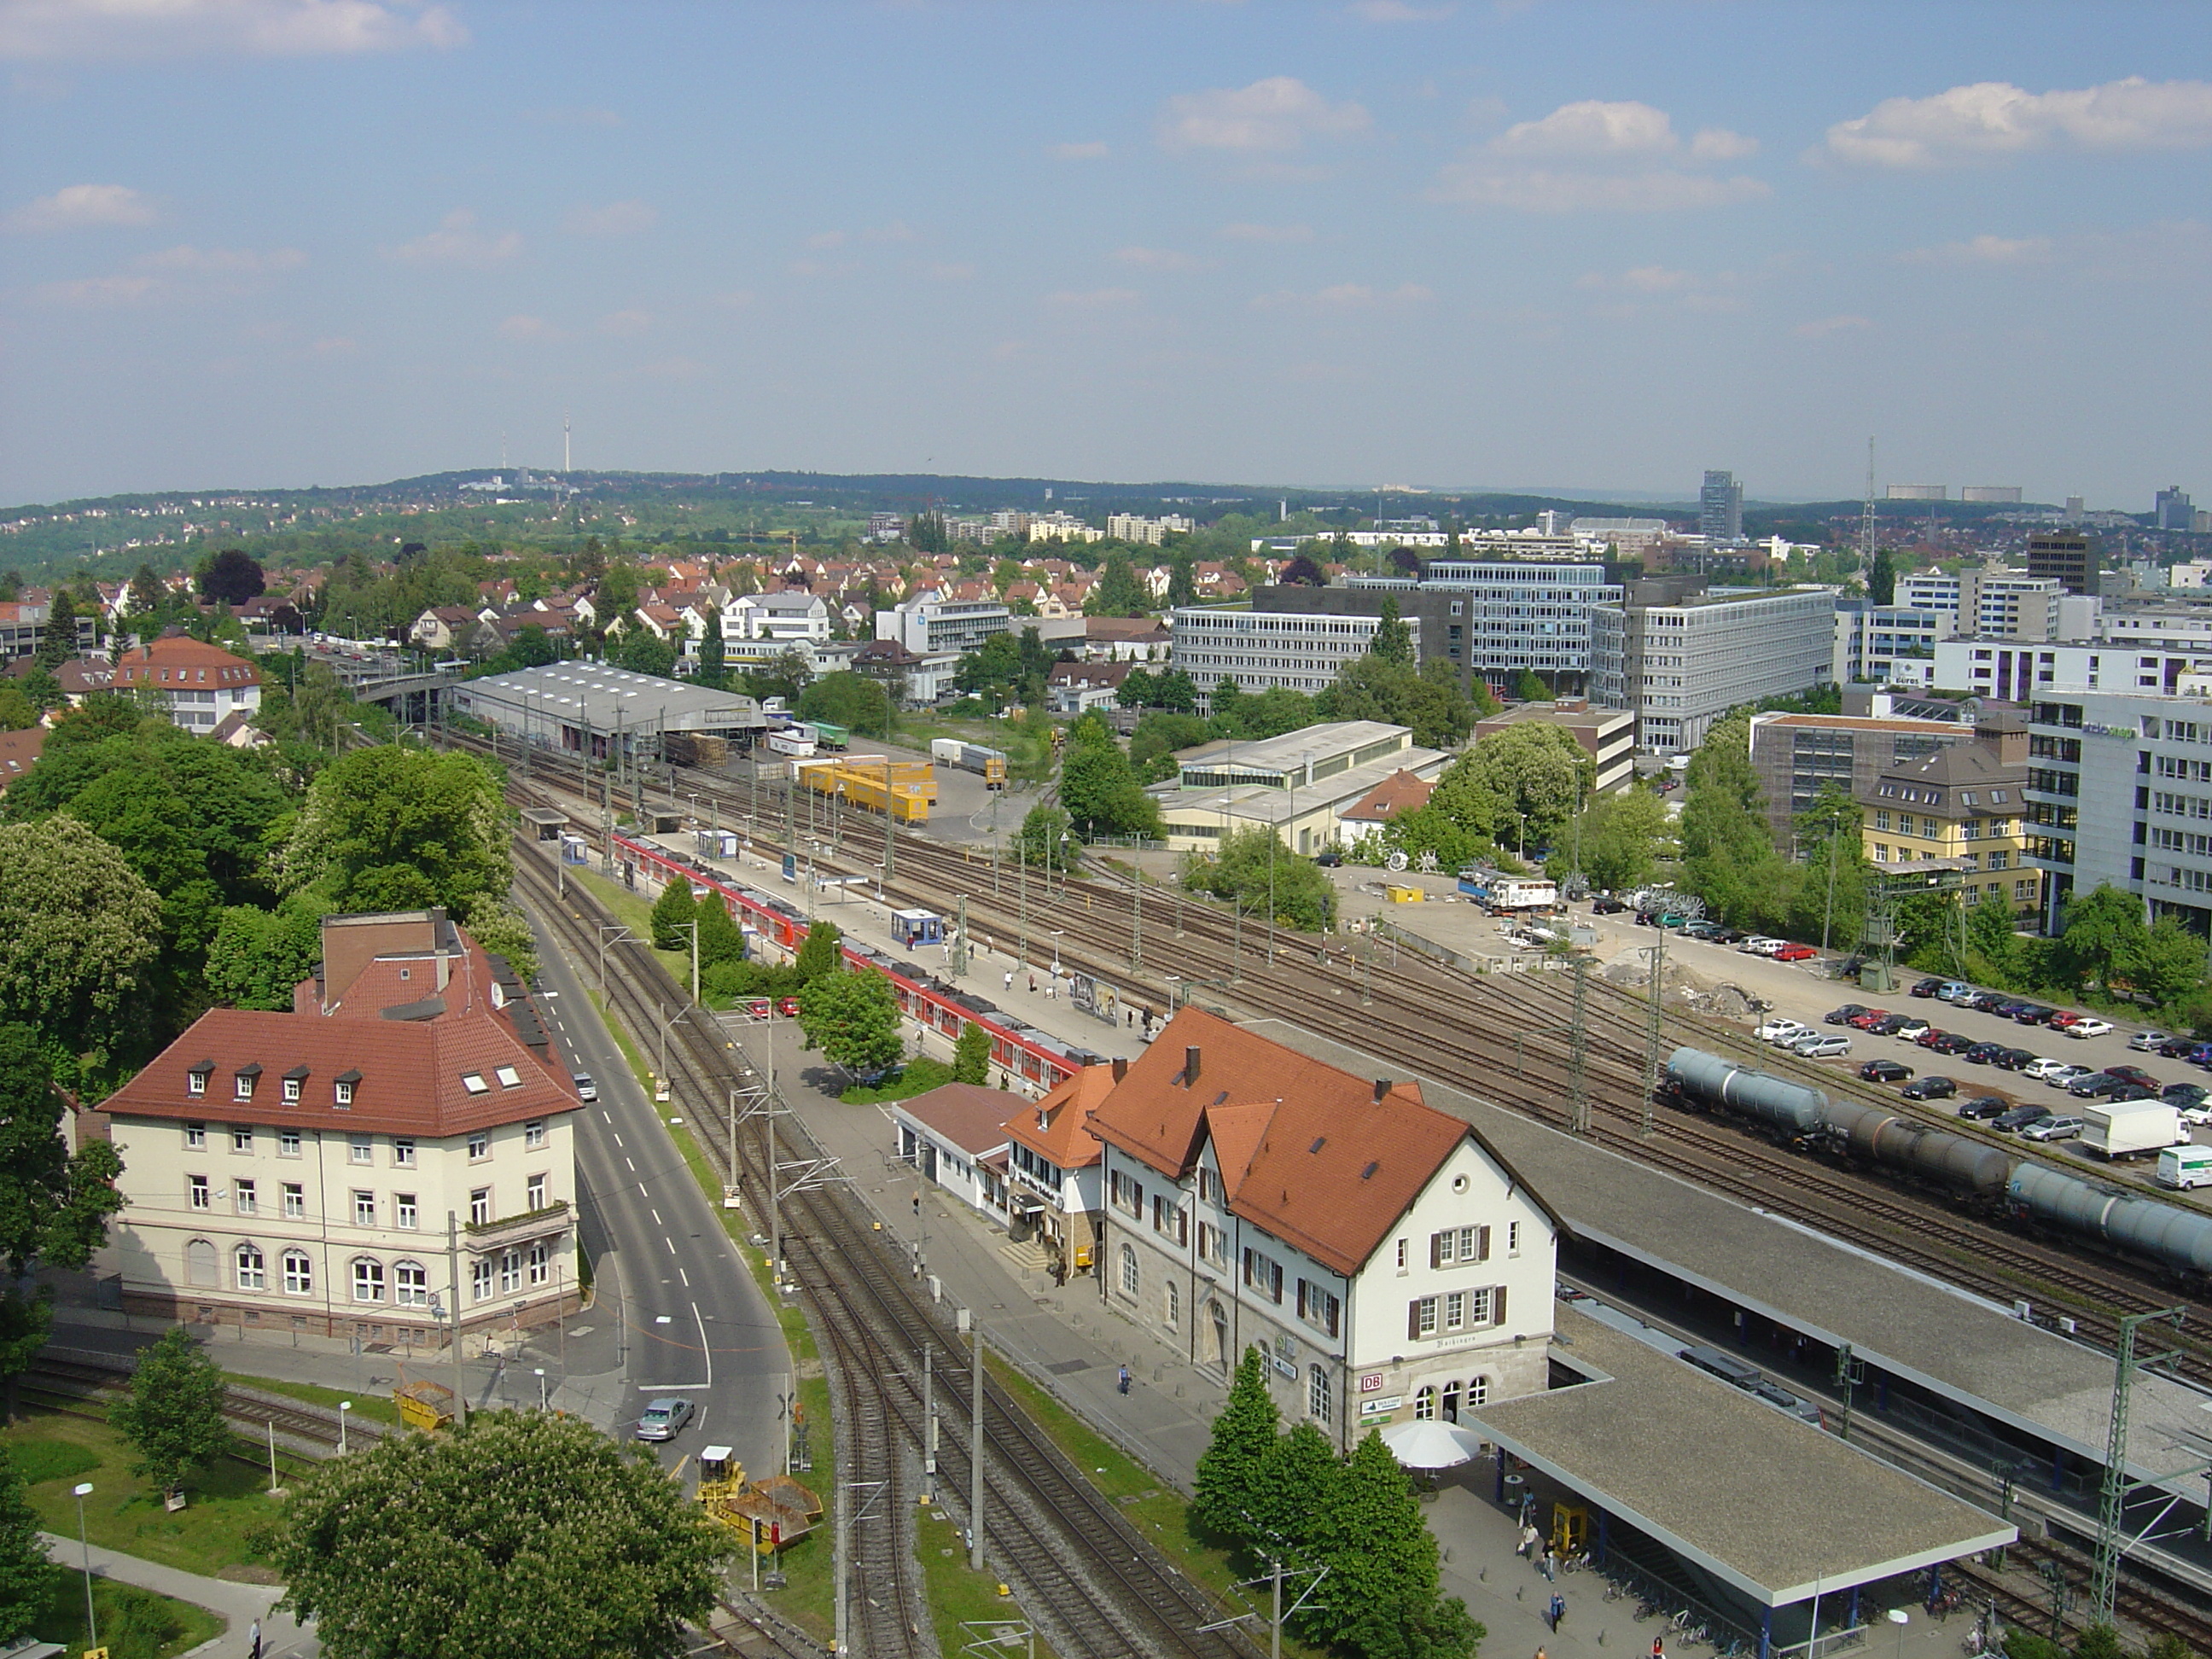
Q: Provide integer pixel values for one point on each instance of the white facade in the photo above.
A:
(1887, 644)
(1261, 649)
(927, 623)
(791, 617)
(2012, 672)
(1680, 667)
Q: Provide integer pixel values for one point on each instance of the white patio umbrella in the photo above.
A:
(1432, 1445)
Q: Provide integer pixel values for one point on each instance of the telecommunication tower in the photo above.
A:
(1866, 517)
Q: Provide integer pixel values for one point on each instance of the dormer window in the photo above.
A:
(294, 1080)
(247, 1078)
(341, 1088)
(195, 1080)
(474, 1083)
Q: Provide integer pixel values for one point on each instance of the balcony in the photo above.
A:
(485, 1237)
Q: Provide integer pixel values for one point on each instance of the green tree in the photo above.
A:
(532, 1536)
(258, 956)
(503, 929)
(821, 951)
(1428, 699)
(673, 912)
(2104, 930)
(1393, 639)
(53, 1205)
(173, 1414)
(1528, 688)
(2166, 964)
(79, 930)
(1538, 775)
(720, 939)
(2098, 1641)
(641, 651)
(1250, 867)
(1182, 577)
(398, 829)
(1227, 1492)
(1623, 837)
(1047, 840)
(710, 650)
(2022, 1644)
(1832, 887)
(1158, 735)
(2167, 1645)
(854, 1020)
(148, 598)
(17, 713)
(1102, 794)
(971, 1055)
(1991, 941)
(28, 1577)
(1381, 1598)
(1881, 578)
(230, 577)
(852, 700)
(1728, 856)
(1118, 592)
(59, 643)
(1298, 1479)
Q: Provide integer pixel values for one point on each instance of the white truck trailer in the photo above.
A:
(2132, 1127)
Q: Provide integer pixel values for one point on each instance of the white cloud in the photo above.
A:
(99, 291)
(1823, 327)
(623, 324)
(1991, 119)
(1540, 190)
(270, 28)
(1397, 11)
(1984, 250)
(532, 328)
(1269, 117)
(458, 241)
(1252, 233)
(1158, 258)
(83, 207)
(615, 219)
(1095, 299)
(1092, 149)
(1620, 156)
(224, 261)
(1343, 296)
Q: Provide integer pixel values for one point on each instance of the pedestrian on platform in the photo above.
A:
(1010, 979)
(1032, 984)
(1125, 1380)
(1559, 1611)
(1551, 1565)
(255, 1638)
(1539, 1653)
(1527, 1545)
(1658, 1647)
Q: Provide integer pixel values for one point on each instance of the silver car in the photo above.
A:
(663, 1419)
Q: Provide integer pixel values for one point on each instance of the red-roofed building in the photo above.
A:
(1402, 792)
(1388, 1261)
(1055, 1169)
(312, 1170)
(198, 683)
(19, 753)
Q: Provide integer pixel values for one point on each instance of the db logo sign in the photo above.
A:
(1371, 1383)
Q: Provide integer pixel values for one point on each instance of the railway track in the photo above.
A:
(87, 1378)
(1093, 1586)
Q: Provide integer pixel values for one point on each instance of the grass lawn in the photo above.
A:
(955, 1594)
(375, 1408)
(229, 1502)
(134, 1623)
(636, 914)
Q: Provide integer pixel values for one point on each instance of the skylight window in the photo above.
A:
(508, 1077)
(474, 1083)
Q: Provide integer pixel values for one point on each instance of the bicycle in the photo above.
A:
(1615, 1590)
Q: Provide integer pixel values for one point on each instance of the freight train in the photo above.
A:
(1981, 1176)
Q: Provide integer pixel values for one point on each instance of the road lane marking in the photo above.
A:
(657, 1221)
(705, 1347)
(633, 1167)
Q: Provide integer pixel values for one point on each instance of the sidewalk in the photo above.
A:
(241, 1604)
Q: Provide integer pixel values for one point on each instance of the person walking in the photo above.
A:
(1124, 1384)
(255, 1638)
(1551, 1565)
(1032, 984)
(1528, 1545)
(1010, 979)
(1558, 1610)
(1659, 1647)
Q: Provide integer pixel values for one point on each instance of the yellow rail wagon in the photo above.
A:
(922, 774)
(909, 805)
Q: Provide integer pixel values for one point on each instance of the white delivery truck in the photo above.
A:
(2132, 1127)
(2184, 1167)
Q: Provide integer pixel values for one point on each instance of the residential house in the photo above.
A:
(391, 1157)
(1053, 1169)
(444, 627)
(198, 684)
(955, 1136)
(1077, 687)
(19, 752)
(1402, 792)
(1385, 1257)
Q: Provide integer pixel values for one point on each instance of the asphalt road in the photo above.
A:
(693, 1322)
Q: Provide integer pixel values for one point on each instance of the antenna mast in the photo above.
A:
(564, 458)
(1866, 520)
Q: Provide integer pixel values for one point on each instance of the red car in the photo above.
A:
(788, 1007)
(1796, 953)
(2063, 1018)
(1869, 1019)
(1931, 1036)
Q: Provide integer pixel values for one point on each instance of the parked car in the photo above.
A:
(1886, 1071)
(2196, 1116)
(2095, 1086)
(2011, 1060)
(2054, 1128)
(2200, 1055)
(1796, 953)
(1931, 1036)
(1605, 905)
(1928, 988)
(1729, 936)
(1328, 861)
(2033, 1014)
(2149, 1042)
(1821, 1045)
(1954, 990)
(2137, 1074)
(2011, 1008)
(1890, 1024)
(2041, 1070)
(1782, 1031)
(1849, 1011)
(1912, 1029)
(1760, 946)
(1931, 1088)
(2019, 1118)
(663, 1419)
(1983, 1108)
(2065, 1020)
(1701, 929)
(2178, 1048)
(1952, 1043)
(1983, 1052)
(2067, 1076)
(1987, 1002)
(1869, 1020)
(2185, 1094)
(2128, 1091)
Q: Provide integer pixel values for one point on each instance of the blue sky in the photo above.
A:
(287, 242)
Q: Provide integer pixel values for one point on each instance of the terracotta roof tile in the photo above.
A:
(1065, 1139)
(969, 1116)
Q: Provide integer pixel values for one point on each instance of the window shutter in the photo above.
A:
(1482, 1244)
(1413, 1319)
(1497, 1306)
(1436, 1249)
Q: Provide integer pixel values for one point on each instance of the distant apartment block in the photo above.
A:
(928, 621)
(1128, 527)
(1720, 508)
(1798, 755)
(2071, 555)
(1261, 649)
(1680, 667)
(2171, 509)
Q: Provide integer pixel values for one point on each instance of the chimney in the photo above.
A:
(1190, 1066)
(1381, 1088)
(1121, 1069)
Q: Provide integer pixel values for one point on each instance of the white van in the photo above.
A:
(2184, 1167)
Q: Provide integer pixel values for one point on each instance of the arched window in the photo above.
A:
(199, 1262)
(1424, 1403)
(1319, 1405)
(1128, 1270)
(368, 1280)
(1171, 1308)
(410, 1284)
(1451, 1402)
(298, 1273)
(1478, 1392)
(253, 1270)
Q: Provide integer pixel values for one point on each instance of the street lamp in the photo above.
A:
(345, 1409)
(1056, 933)
(84, 1541)
(541, 1388)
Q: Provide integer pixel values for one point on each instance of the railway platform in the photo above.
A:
(2022, 1412)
